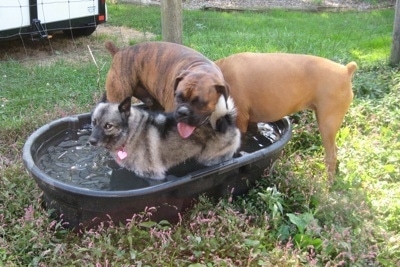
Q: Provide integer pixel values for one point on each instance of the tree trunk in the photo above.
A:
(171, 20)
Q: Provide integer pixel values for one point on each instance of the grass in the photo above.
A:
(220, 34)
(291, 218)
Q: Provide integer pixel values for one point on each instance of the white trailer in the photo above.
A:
(39, 18)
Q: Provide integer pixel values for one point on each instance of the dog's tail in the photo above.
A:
(110, 46)
(351, 68)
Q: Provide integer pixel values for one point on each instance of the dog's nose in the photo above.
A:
(93, 141)
(182, 112)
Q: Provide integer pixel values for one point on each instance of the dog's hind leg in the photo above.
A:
(328, 130)
(330, 118)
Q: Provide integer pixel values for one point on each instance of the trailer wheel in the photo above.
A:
(80, 31)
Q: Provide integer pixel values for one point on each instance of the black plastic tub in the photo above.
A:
(127, 194)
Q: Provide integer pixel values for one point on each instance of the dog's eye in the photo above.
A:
(195, 101)
(108, 126)
(178, 97)
(94, 122)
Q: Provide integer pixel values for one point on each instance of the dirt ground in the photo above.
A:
(63, 46)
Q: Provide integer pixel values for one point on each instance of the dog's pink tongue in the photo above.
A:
(185, 130)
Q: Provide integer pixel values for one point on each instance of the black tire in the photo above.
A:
(86, 31)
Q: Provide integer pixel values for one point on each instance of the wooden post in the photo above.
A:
(395, 53)
(171, 20)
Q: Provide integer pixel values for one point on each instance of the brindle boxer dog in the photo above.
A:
(269, 86)
(154, 71)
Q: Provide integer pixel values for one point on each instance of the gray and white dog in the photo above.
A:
(149, 143)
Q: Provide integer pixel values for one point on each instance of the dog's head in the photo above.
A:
(110, 124)
(196, 97)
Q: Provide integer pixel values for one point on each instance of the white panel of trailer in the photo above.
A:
(14, 14)
(57, 10)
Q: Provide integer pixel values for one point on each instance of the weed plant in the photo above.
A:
(291, 218)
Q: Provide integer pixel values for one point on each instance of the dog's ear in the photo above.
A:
(125, 107)
(103, 98)
(223, 90)
(180, 77)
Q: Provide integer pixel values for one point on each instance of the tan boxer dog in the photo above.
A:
(269, 86)
(154, 71)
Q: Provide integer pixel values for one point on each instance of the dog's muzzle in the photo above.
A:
(184, 113)
(93, 141)
(94, 137)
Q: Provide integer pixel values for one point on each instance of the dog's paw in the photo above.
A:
(211, 162)
(155, 176)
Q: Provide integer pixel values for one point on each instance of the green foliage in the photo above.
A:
(291, 218)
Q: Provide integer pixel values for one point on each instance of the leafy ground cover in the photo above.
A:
(291, 218)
